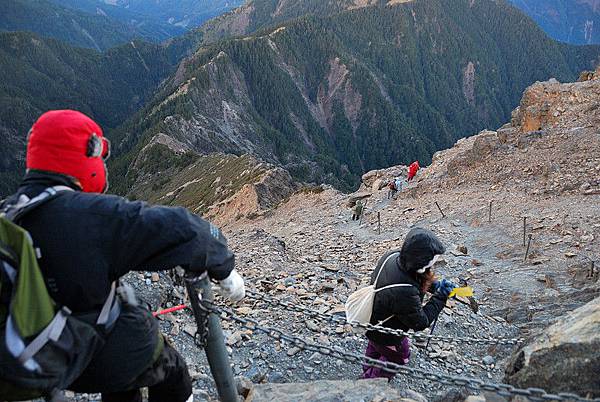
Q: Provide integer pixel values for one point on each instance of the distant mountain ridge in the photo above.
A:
(185, 14)
(329, 98)
(72, 26)
(571, 21)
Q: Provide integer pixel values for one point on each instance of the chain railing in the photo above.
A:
(379, 328)
(533, 394)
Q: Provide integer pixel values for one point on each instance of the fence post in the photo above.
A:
(490, 214)
(441, 212)
(524, 229)
(527, 251)
(199, 289)
(378, 222)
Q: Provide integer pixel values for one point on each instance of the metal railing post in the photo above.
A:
(199, 289)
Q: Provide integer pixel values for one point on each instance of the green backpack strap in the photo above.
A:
(32, 312)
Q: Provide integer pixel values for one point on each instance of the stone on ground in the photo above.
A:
(565, 358)
(376, 390)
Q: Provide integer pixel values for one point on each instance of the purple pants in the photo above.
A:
(398, 354)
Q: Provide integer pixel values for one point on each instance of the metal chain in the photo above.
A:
(533, 394)
(370, 327)
(201, 336)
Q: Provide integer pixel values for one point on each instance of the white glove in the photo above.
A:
(232, 287)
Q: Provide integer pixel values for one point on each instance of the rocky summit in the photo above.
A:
(517, 209)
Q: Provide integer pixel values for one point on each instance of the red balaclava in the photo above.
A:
(70, 143)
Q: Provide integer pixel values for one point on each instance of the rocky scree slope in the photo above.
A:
(329, 98)
(308, 252)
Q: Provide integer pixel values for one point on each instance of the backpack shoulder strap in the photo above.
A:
(382, 268)
(24, 204)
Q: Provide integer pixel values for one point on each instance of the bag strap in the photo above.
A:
(25, 204)
(111, 309)
(383, 267)
(397, 285)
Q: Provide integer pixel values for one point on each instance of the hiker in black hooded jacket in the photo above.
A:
(89, 240)
(403, 277)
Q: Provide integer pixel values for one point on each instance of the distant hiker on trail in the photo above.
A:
(394, 186)
(412, 170)
(357, 210)
(392, 189)
(403, 277)
(89, 240)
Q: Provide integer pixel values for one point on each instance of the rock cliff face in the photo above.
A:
(254, 198)
(565, 357)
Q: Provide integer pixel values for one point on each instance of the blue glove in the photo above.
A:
(445, 287)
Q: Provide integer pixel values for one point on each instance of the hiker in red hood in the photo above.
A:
(412, 170)
(89, 240)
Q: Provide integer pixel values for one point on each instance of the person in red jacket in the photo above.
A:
(412, 170)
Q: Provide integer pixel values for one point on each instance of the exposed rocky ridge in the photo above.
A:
(254, 199)
(224, 187)
(552, 141)
(257, 14)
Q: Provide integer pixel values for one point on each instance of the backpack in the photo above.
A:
(359, 306)
(43, 346)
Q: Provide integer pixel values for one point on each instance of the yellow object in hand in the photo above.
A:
(465, 291)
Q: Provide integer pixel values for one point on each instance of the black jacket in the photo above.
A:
(87, 241)
(404, 303)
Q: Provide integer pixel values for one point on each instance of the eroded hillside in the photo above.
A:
(333, 96)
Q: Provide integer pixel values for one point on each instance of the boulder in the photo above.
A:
(322, 391)
(378, 184)
(485, 142)
(360, 195)
(565, 358)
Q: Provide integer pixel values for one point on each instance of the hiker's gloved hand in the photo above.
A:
(232, 287)
(445, 287)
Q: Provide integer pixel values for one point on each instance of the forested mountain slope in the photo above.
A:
(329, 98)
(40, 74)
(571, 21)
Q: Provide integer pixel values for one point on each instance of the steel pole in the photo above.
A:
(431, 332)
(199, 289)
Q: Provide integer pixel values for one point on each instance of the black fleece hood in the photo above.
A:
(420, 245)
